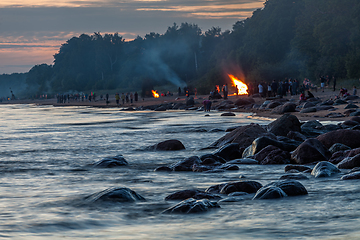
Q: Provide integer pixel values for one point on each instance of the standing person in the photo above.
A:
(94, 97)
(179, 91)
(269, 90)
(195, 91)
(107, 98)
(131, 97)
(334, 83)
(261, 89)
(322, 81)
(274, 87)
(354, 91)
(127, 97)
(117, 98)
(136, 95)
(123, 98)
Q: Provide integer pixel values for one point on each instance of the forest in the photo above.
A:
(286, 38)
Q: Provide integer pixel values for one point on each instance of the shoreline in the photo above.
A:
(319, 115)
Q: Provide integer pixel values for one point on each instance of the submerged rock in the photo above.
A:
(229, 151)
(350, 162)
(350, 176)
(290, 187)
(192, 193)
(272, 155)
(296, 176)
(269, 192)
(186, 164)
(238, 186)
(110, 162)
(122, 194)
(324, 169)
(169, 145)
(192, 206)
(300, 168)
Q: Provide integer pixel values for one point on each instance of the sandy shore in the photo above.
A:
(320, 115)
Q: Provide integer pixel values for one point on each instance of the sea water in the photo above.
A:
(45, 173)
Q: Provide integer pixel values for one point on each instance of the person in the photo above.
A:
(343, 92)
(195, 91)
(225, 90)
(179, 91)
(131, 97)
(136, 95)
(127, 97)
(107, 99)
(117, 98)
(322, 81)
(310, 95)
(274, 87)
(207, 105)
(123, 98)
(302, 97)
(261, 90)
(354, 90)
(269, 90)
(237, 90)
(334, 82)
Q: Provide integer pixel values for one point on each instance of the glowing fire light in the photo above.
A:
(155, 94)
(242, 87)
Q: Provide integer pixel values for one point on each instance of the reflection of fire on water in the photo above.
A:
(155, 94)
(242, 87)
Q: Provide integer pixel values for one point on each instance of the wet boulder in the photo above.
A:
(269, 192)
(286, 108)
(309, 110)
(110, 162)
(339, 102)
(191, 193)
(350, 176)
(228, 114)
(338, 147)
(247, 186)
(348, 137)
(242, 101)
(122, 194)
(229, 151)
(169, 145)
(192, 206)
(296, 136)
(283, 125)
(351, 105)
(295, 176)
(190, 101)
(299, 168)
(211, 159)
(243, 135)
(357, 119)
(324, 169)
(273, 104)
(272, 155)
(312, 150)
(262, 142)
(244, 161)
(349, 162)
(186, 164)
(227, 104)
(163, 169)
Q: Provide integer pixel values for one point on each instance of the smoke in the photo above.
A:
(15, 83)
(158, 70)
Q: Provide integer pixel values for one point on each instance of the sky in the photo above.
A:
(32, 31)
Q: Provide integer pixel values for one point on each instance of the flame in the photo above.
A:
(242, 87)
(155, 94)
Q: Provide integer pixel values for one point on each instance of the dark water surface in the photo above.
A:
(44, 175)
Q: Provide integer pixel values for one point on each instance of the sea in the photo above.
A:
(46, 154)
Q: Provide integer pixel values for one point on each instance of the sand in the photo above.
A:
(327, 94)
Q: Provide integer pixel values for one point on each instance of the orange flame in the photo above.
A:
(242, 87)
(155, 94)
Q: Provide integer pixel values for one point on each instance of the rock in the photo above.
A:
(186, 164)
(300, 168)
(296, 176)
(290, 187)
(296, 136)
(334, 115)
(355, 114)
(192, 193)
(190, 101)
(272, 155)
(283, 125)
(350, 123)
(262, 142)
(243, 161)
(351, 106)
(324, 108)
(242, 135)
(324, 169)
(338, 147)
(327, 102)
(350, 97)
(307, 105)
(227, 104)
(169, 145)
(229, 151)
(312, 150)
(287, 107)
(340, 155)
(110, 162)
(269, 192)
(163, 169)
(211, 159)
(350, 176)
(238, 186)
(192, 206)
(339, 102)
(115, 195)
(350, 138)
(350, 162)
(308, 110)
(244, 101)
(228, 114)
(357, 119)
(273, 104)
(160, 109)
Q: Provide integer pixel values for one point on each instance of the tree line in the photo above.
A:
(285, 38)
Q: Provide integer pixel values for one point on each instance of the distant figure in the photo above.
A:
(322, 81)
(261, 89)
(179, 91)
(131, 97)
(236, 90)
(127, 98)
(207, 105)
(123, 98)
(269, 90)
(302, 97)
(343, 92)
(354, 90)
(225, 91)
(117, 98)
(334, 82)
(136, 95)
(107, 98)
(195, 91)
(310, 95)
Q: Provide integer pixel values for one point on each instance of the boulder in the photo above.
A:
(269, 192)
(272, 155)
(238, 186)
(273, 104)
(290, 187)
(192, 193)
(351, 105)
(311, 150)
(160, 109)
(211, 159)
(122, 194)
(338, 147)
(163, 169)
(309, 110)
(334, 115)
(227, 104)
(110, 162)
(324, 169)
(300, 168)
(296, 176)
(339, 102)
(350, 162)
(190, 101)
(243, 161)
(307, 105)
(357, 119)
(296, 136)
(355, 114)
(229, 151)
(228, 114)
(350, 123)
(186, 164)
(169, 145)
(244, 136)
(244, 101)
(283, 125)
(349, 176)
(192, 206)
(286, 108)
(348, 137)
